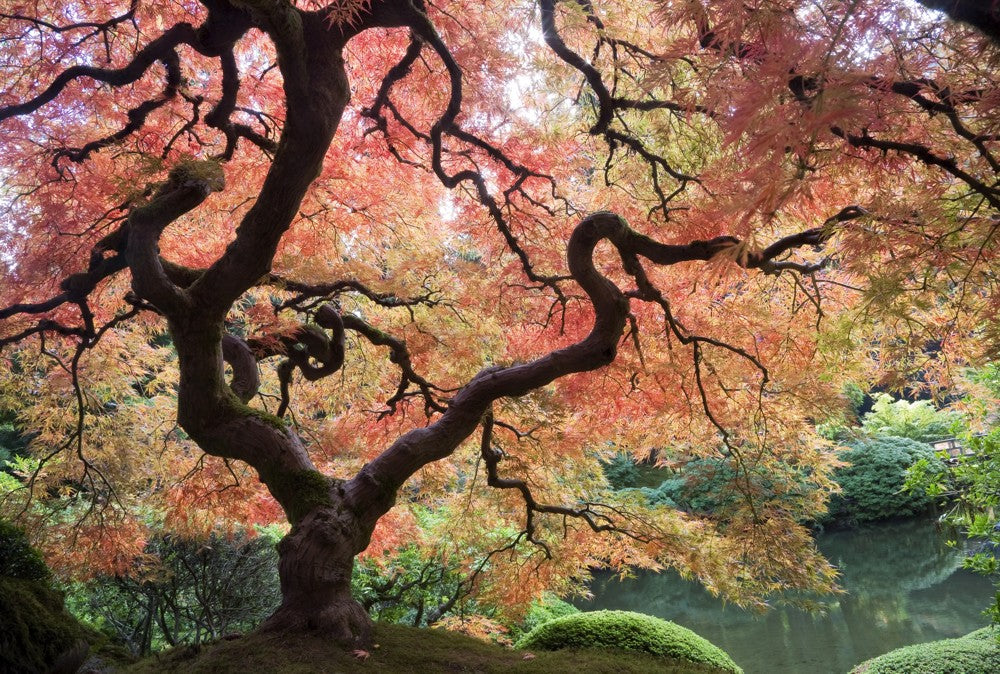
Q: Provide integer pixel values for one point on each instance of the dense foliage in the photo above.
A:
(625, 630)
(918, 420)
(976, 653)
(621, 471)
(966, 488)
(874, 484)
(719, 486)
(542, 611)
(12, 440)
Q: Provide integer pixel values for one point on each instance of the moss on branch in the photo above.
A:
(300, 492)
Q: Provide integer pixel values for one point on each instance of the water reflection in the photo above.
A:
(903, 583)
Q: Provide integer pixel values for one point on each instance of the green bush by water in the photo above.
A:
(975, 653)
(874, 485)
(626, 630)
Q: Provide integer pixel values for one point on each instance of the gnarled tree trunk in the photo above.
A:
(316, 559)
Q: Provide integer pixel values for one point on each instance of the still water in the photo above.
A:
(903, 583)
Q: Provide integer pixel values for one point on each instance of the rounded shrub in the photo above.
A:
(975, 653)
(628, 631)
(874, 485)
(987, 634)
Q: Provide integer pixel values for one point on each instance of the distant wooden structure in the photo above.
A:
(951, 445)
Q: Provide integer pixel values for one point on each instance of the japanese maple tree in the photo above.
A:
(385, 253)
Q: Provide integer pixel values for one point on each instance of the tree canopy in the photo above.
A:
(341, 261)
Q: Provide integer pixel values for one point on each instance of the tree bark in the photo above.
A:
(316, 560)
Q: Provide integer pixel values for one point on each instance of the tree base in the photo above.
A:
(347, 623)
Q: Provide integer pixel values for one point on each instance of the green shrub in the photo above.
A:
(621, 471)
(17, 558)
(874, 485)
(719, 486)
(917, 420)
(975, 653)
(987, 634)
(628, 631)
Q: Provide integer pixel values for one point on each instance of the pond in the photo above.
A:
(903, 583)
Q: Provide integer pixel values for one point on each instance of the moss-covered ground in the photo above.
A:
(400, 649)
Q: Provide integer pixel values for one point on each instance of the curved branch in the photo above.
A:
(373, 490)
(136, 116)
(246, 379)
(157, 50)
(97, 26)
(399, 355)
(492, 456)
(425, 30)
(551, 36)
(924, 154)
(316, 93)
(188, 185)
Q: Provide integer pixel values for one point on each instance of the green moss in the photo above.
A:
(625, 630)
(975, 653)
(206, 171)
(299, 492)
(37, 633)
(271, 420)
(401, 649)
(238, 408)
(35, 628)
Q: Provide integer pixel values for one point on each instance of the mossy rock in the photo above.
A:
(36, 631)
(17, 558)
(626, 630)
(975, 653)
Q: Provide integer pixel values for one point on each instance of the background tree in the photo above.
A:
(184, 592)
(398, 211)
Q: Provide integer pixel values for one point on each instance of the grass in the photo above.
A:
(401, 649)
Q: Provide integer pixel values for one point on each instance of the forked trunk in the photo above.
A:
(316, 559)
